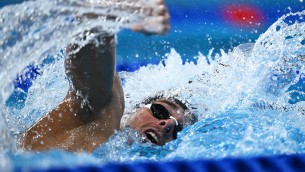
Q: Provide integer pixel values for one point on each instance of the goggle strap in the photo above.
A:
(171, 117)
(148, 106)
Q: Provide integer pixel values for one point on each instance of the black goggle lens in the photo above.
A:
(159, 111)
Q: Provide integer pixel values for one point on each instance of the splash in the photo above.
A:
(35, 29)
(241, 97)
(36, 32)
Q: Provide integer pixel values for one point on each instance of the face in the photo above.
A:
(158, 131)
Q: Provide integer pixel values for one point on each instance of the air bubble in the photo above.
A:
(278, 28)
(288, 37)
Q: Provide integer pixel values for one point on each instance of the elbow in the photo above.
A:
(89, 105)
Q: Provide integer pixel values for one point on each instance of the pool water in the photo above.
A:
(247, 94)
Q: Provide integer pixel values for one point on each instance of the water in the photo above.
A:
(248, 100)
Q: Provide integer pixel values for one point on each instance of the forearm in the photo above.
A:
(126, 5)
(90, 67)
(127, 13)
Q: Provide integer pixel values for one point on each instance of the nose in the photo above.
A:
(168, 127)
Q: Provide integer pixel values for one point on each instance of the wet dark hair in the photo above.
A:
(189, 118)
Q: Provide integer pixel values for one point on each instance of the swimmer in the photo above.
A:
(94, 105)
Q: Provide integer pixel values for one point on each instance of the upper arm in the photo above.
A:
(91, 71)
(47, 131)
(94, 88)
(69, 120)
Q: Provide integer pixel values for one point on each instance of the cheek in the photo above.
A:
(145, 117)
(141, 118)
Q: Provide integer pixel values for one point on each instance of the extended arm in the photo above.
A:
(94, 104)
(91, 70)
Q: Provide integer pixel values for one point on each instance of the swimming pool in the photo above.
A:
(248, 99)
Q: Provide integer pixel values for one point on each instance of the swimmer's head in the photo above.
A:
(160, 120)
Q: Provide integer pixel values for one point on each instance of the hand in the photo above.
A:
(158, 21)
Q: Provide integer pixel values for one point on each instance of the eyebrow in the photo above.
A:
(173, 105)
(182, 105)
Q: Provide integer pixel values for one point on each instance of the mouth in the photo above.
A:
(152, 137)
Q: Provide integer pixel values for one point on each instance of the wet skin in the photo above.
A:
(93, 107)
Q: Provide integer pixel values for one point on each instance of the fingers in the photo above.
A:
(137, 28)
(162, 9)
(165, 19)
(157, 20)
(160, 1)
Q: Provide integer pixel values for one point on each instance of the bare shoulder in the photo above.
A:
(64, 128)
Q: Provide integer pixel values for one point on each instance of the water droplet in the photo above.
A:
(288, 37)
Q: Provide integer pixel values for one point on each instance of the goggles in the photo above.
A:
(160, 112)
